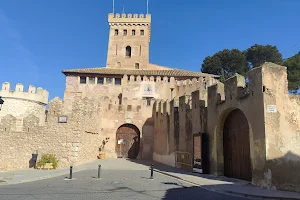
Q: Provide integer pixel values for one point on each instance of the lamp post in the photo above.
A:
(1, 102)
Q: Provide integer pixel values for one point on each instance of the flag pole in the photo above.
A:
(147, 6)
(113, 1)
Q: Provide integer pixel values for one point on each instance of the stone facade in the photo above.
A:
(96, 103)
(272, 116)
(167, 106)
(20, 103)
(129, 38)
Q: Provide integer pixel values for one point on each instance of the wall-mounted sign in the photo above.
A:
(271, 109)
(148, 88)
(121, 141)
(62, 119)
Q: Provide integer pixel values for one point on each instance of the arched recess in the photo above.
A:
(128, 51)
(236, 145)
(127, 141)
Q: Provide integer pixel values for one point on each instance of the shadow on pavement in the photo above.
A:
(166, 168)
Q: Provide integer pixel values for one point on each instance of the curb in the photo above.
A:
(227, 192)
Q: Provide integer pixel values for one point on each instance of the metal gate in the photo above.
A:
(236, 144)
(127, 141)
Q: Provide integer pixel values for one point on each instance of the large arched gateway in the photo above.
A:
(236, 144)
(127, 141)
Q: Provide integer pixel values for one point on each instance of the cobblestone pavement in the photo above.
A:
(114, 184)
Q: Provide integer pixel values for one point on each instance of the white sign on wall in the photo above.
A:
(271, 109)
(121, 141)
(148, 88)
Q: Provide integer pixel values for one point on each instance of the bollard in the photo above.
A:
(99, 170)
(71, 171)
(151, 168)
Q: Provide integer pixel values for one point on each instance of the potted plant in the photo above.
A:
(101, 148)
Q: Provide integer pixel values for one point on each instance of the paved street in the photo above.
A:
(114, 184)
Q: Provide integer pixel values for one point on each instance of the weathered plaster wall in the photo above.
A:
(282, 130)
(222, 99)
(176, 122)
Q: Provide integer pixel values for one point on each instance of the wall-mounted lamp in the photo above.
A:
(1, 102)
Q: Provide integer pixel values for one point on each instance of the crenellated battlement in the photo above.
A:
(129, 18)
(235, 87)
(190, 85)
(33, 94)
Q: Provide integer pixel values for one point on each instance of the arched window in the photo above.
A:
(128, 51)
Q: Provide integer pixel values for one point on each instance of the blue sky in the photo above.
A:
(40, 38)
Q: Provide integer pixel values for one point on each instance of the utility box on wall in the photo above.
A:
(200, 153)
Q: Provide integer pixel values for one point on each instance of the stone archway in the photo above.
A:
(127, 141)
(236, 146)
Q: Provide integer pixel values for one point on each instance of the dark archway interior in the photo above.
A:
(128, 141)
(236, 144)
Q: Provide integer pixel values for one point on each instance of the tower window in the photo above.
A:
(125, 32)
(92, 80)
(82, 80)
(128, 51)
(100, 80)
(137, 65)
(109, 81)
(133, 32)
(142, 32)
(117, 81)
(116, 32)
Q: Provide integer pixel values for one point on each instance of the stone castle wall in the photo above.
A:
(274, 135)
(20, 103)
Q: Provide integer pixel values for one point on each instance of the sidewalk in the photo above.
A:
(209, 182)
(29, 175)
(222, 184)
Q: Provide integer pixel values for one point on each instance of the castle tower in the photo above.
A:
(129, 37)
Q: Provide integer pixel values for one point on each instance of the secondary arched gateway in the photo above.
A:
(236, 144)
(127, 141)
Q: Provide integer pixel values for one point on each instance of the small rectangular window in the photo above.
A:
(109, 81)
(100, 81)
(116, 32)
(125, 32)
(91, 80)
(129, 108)
(148, 101)
(82, 80)
(117, 81)
(133, 32)
(142, 32)
(137, 65)
(172, 93)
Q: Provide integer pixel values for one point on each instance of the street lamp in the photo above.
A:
(1, 102)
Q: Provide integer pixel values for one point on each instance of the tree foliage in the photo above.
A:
(258, 54)
(226, 63)
(293, 69)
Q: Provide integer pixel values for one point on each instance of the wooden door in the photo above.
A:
(236, 143)
(130, 136)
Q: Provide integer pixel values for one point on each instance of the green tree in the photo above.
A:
(226, 63)
(293, 70)
(258, 54)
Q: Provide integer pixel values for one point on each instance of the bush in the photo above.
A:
(48, 158)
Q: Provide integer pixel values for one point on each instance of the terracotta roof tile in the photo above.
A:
(141, 72)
